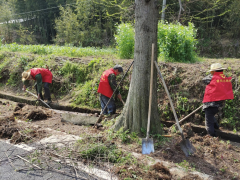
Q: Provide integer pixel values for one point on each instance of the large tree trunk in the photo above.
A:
(135, 113)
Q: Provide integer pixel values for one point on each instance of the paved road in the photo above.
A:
(14, 168)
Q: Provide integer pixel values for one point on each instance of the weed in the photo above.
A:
(186, 165)
(223, 169)
(236, 160)
(27, 131)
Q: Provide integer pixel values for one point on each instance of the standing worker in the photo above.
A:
(41, 76)
(106, 88)
(218, 89)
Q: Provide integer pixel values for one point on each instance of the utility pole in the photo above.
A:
(163, 11)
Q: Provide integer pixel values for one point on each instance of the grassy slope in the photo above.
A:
(76, 79)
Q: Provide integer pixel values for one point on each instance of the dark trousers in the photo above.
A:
(211, 122)
(111, 107)
(47, 93)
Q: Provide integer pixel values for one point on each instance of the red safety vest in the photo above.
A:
(104, 86)
(220, 88)
(46, 74)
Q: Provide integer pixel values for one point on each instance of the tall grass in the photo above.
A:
(125, 40)
(176, 42)
(58, 50)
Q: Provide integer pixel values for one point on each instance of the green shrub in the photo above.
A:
(176, 42)
(125, 41)
(231, 112)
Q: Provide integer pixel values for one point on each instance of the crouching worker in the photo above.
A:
(42, 77)
(218, 89)
(106, 88)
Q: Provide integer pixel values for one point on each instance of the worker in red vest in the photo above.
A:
(106, 88)
(218, 89)
(41, 76)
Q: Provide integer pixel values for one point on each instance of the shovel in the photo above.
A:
(147, 143)
(101, 114)
(185, 144)
(40, 99)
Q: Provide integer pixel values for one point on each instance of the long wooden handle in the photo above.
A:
(187, 116)
(40, 99)
(150, 92)
(169, 97)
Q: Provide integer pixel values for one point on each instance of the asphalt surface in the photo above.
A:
(14, 168)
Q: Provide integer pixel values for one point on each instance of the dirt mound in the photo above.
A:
(26, 112)
(213, 156)
(4, 120)
(159, 171)
(156, 171)
(10, 129)
(27, 135)
(187, 130)
(18, 107)
(7, 132)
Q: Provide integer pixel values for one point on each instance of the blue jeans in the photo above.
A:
(111, 107)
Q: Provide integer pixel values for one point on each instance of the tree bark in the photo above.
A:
(135, 113)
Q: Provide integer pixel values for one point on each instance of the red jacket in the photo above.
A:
(104, 86)
(46, 74)
(220, 88)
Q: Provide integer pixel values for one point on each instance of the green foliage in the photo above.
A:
(125, 40)
(67, 27)
(182, 103)
(74, 71)
(93, 148)
(89, 23)
(58, 50)
(231, 113)
(188, 166)
(176, 42)
(87, 79)
(6, 29)
(127, 137)
(25, 36)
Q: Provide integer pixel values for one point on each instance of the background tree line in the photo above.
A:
(93, 22)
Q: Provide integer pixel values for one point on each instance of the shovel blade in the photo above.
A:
(187, 147)
(147, 146)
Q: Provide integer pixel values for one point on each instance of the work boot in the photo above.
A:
(49, 102)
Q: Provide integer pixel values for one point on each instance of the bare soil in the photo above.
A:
(215, 157)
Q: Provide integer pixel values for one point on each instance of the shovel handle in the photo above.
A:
(169, 97)
(187, 116)
(37, 97)
(150, 92)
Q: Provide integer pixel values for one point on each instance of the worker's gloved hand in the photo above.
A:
(38, 97)
(24, 88)
(120, 98)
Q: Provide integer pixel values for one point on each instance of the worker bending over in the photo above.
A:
(106, 88)
(41, 76)
(218, 89)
